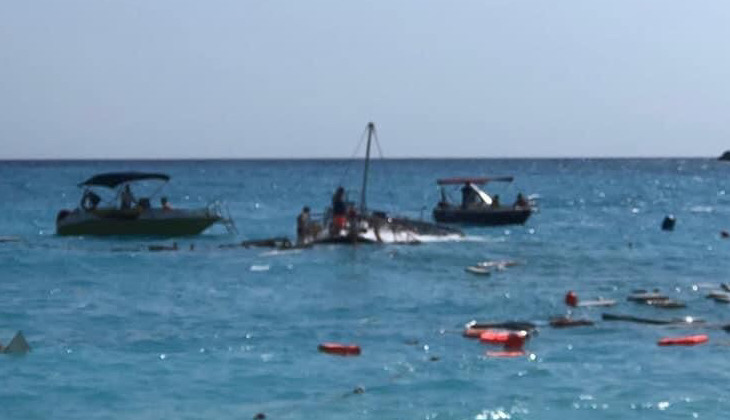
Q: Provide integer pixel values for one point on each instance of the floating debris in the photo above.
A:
(571, 299)
(340, 349)
(481, 271)
(631, 318)
(473, 329)
(17, 345)
(565, 322)
(158, 248)
(499, 265)
(279, 242)
(690, 340)
(506, 354)
(668, 223)
(643, 296)
(600, 302)
(656, 299)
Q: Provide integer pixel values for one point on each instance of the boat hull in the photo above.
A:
(482, 216)
(179, 223)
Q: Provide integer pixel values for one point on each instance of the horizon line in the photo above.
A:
(224, 159)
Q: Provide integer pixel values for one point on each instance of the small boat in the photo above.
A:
(478, 270)
(358, 224)
(478, 207)
(687, 320)
(600, 302)
(133, 216)
(689, 340)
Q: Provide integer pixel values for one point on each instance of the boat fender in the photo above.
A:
(340, 349)
(690, 340)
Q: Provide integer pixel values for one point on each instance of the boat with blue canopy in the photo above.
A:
(123, 214)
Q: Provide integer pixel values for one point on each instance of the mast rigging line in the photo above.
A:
(371, 134)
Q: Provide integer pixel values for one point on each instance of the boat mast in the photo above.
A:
(371, 131)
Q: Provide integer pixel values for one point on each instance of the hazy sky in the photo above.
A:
(301, 78)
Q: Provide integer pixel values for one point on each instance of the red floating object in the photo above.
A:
(505, 353)
(571, 299)
(494, 336)
(515, 341)
(339, 349)
(690, 340)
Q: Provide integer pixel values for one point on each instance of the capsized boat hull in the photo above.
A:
(377, 227)
(125, 223)
(484, 216)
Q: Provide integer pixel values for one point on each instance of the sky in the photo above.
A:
(296, 79)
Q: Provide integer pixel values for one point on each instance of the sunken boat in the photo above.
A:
(349, 222)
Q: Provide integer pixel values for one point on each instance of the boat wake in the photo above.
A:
(446, 238)
(279, 252)
(401, 237)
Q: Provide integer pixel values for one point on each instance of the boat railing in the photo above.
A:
(221, 210)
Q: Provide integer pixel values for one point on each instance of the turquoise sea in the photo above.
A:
(119, 332)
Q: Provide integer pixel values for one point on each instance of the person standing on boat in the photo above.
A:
(521, 201)
(165, 204)
(127, 199)
(303, 224)
(339, 209)
(467, 195)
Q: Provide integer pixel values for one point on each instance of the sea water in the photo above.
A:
(118, 331)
